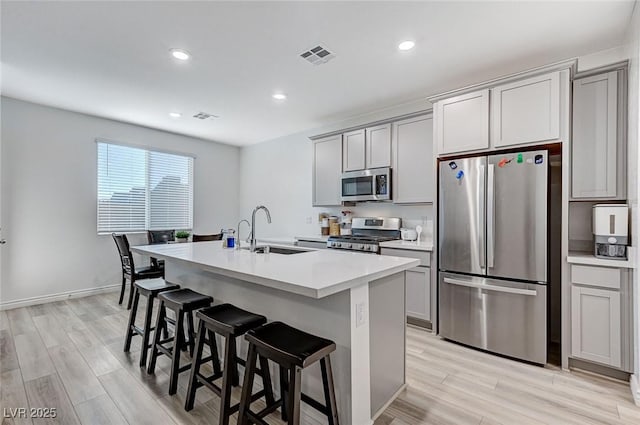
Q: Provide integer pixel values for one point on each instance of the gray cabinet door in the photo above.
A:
(462, 123)
(412, 152)
(378, 146)
(595, 149)
(526, 111)
(353, 148)
(595, 325)
(419, 293)
(327, 170)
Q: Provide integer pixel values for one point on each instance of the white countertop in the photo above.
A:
(575, 257)
(423, 245)
(313, 238)
(283, 240)
(315, 274)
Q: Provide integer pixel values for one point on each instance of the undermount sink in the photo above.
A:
(278, 250)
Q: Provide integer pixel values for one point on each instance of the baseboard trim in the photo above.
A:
(25, 302)
(634, 383)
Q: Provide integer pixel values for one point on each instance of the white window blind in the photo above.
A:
(140, 189)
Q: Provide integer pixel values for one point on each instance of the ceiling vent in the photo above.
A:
(318, 55)
(205, 116)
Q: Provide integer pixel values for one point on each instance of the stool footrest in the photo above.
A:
(314, 403)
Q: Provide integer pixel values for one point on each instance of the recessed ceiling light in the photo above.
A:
(175, 114)
(279, 96)
(406, 45)
(180, 54)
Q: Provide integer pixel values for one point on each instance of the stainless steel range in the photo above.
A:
(367, 233)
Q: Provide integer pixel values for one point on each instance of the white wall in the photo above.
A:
(49, 196)
(278, 174)
(633, 40)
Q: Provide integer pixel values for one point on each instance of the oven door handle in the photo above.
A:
(506, 289)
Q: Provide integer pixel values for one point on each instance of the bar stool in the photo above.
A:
(183, 302)
(230, 322)
(150, 289)
(293, 350)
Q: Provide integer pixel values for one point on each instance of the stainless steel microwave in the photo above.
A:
(367, 185)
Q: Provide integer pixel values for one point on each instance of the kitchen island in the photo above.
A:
(355, 299)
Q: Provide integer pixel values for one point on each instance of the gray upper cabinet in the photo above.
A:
(378, 146)
(412, 153)
(353, 150)
(526, 111)
(327, 170)
(462, 123)
(597, 151)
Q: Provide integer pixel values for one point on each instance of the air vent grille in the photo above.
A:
(317, 55)
(205, 116)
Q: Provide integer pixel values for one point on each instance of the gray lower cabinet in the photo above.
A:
(327, 171)
(419, 292)
(601, 316)
(418, 281)
(412, 153)
(598, 161)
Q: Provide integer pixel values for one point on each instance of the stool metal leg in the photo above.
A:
(132, 321)
(147, 328)
(234, 352)
(165, 327)
(195, 368)
(131, 290)
(247, 385)
(329, 392)
(178, 341)
(162, 312)
(295, 378)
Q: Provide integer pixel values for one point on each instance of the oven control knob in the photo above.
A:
(359, 246)
(372, 248)
(337, 244)
(347, 245)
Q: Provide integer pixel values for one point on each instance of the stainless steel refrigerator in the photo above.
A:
(493, 253)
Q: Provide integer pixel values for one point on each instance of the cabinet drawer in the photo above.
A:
(604, 277)
(423, 256)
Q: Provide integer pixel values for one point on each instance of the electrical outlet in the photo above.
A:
(308, 220)
(361, 314)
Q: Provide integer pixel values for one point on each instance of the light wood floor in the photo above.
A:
(69, 355)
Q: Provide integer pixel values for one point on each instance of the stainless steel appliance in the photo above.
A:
(493, 253)
(610, 230)
(367, 185)
(366, 234)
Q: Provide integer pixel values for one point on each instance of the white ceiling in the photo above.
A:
(112, 59)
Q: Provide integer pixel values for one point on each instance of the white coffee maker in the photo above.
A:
(610, 230)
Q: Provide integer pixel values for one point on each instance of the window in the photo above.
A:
(141, 189)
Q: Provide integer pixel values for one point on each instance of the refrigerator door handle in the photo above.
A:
(491, 216)
(482, 260)
(517, 291)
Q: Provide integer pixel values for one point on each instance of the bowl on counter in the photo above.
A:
(407, 234)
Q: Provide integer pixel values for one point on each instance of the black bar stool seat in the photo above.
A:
(183, 302)
(293, 350)
(149, 288)
(230, 322)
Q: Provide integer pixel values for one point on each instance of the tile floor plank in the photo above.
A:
(13, 396)
(78, 379)
(132, 400)
(51, 331)
(20, 321)
(32, 356)
(8, 356)
(48, 392)
(99, 411)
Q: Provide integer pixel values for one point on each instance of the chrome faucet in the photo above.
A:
(238, 231)
(252, 247)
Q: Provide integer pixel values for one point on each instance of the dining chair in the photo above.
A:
(156, 237)
(129, 270)
(206, 238)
